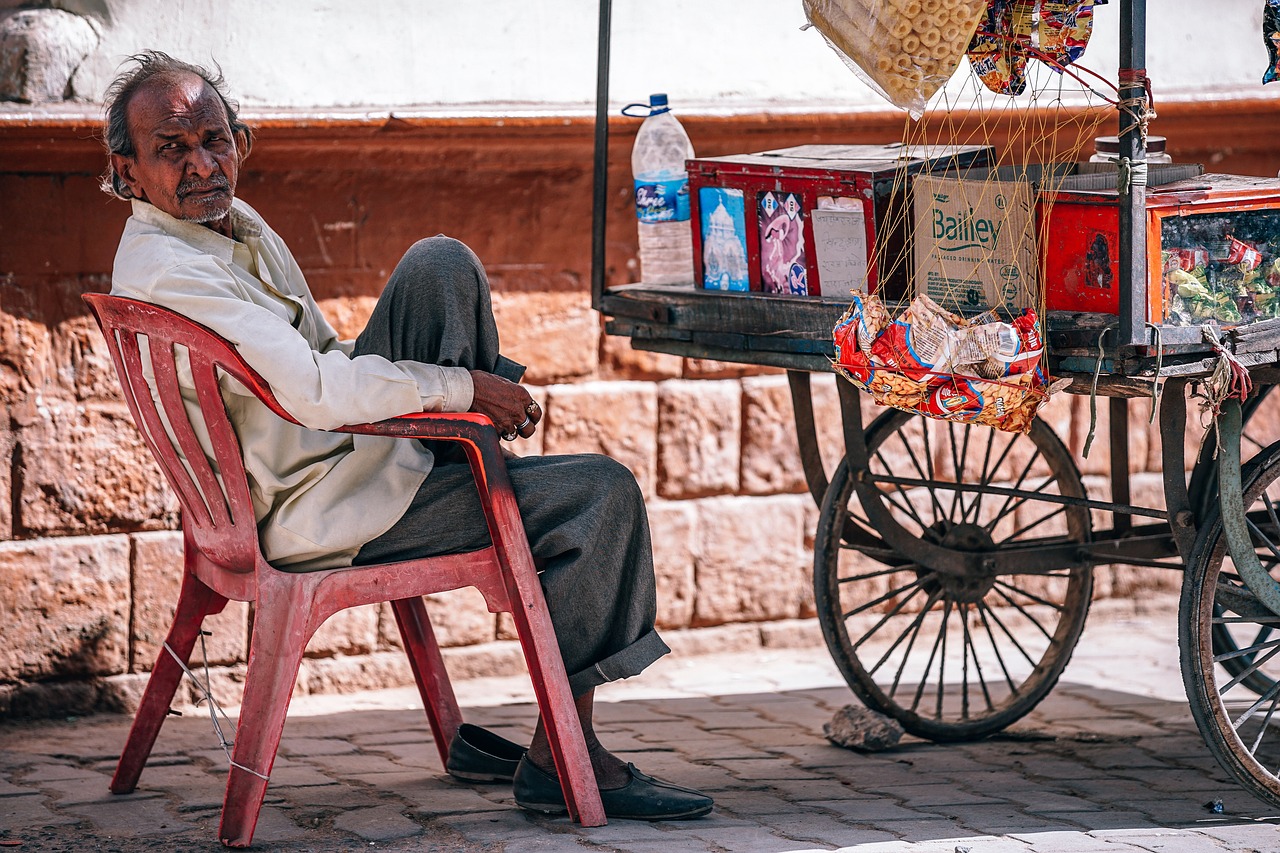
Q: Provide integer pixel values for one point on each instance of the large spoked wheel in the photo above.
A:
(954, 656)
(1237, 719)
(1259, 414)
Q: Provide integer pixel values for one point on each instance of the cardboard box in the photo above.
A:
(811, 220)
(974, 241)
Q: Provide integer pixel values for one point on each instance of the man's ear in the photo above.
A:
(242, 145)
(123, 167)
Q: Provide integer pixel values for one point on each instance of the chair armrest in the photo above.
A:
(447, 426)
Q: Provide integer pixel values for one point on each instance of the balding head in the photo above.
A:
(153, 68)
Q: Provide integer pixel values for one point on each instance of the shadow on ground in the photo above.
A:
(1089, 770)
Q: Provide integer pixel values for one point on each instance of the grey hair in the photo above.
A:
(152, 64)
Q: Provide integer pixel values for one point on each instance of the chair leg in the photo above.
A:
(195, 601)
(428, 670)
(559, 716)
(280, 633)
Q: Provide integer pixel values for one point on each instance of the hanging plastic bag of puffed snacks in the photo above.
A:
(1271, 37)
(906, 49)
(935, 363)
(1013, 31)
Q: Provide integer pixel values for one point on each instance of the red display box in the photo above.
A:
(1217, 235)
(806, 221)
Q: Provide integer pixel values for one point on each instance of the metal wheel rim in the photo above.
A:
(1243, 732)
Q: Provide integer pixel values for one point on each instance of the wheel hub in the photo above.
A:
(974, 584)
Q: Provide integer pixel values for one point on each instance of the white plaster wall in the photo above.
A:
(502, 55)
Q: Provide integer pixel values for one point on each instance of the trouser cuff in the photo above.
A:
(622, 664)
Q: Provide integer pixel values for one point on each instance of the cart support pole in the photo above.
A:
(1173, 426)
(1235, 521)
(600, 198)
(1132, 176)
(1119, 429)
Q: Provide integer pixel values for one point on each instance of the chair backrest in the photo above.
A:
(217, 510)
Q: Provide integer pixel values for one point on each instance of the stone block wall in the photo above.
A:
(90, 556)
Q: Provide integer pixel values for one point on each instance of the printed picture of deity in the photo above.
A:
(782, 258)
(724, 239)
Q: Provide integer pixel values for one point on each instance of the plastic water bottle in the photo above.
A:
(662, 196)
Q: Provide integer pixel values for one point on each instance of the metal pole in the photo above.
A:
(600, 172)
(1133, 174)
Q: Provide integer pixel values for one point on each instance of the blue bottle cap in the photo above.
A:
(658, 100)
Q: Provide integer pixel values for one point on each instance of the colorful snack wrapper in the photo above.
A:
(1271, 38)
(1065, 28)
(1056, 31)
(935, 363)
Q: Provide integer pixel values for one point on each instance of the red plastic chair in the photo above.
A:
(223, 561)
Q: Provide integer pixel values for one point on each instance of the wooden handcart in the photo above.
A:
(954, 565)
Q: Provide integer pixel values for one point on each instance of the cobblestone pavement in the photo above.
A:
(1109, 763)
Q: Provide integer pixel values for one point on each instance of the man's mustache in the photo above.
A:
(193, 185)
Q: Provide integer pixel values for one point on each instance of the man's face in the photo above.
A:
(186, 159)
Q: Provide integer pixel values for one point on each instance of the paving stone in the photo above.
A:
(340, 796)
(294, 775)
(429, 803)
(8, 789)
(677, 844)
(1069, 842)
(1105, 819)
(933, 795)
(305, 747)
(753, 804)
(275, 829)
(823, 829)
(381, 823)
(1160, 841)
(624, 831)
(92, 789)
(502, 826)
(866, 811)
(755, 770)
(741, 839)
(31, 812)
(41, 774)
(128, 817)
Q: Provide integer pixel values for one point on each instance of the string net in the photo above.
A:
(964, 341)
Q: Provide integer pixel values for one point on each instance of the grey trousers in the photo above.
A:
(584, 514)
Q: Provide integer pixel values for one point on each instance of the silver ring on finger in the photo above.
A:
(508, 436)
(527, 422)
(531, 408)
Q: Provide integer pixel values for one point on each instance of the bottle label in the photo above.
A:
(662, 201)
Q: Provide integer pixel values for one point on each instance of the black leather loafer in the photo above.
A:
(479, 755)
(642, 798)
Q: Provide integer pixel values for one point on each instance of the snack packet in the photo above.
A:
(1271, 38)
(906, 49)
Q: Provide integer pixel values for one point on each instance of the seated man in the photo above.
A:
(326, 499)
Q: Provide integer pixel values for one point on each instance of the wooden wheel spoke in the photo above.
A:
(1253, 709)
(1015, 487)
(928, 667)
(942, 658)
(995, 647)
(1008, 509)
(1037, 599)
(925, 471)
(1266, 721)
(1023, 611)
(906, 654)
(957, 466)
(913, 626)
(1248, 670)
(893, 570)
(987, 471)
(1061, 510)
(1256, 647)
(897, 608)
(995, 617)
(888, 595)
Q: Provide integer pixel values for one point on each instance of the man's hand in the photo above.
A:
(507, 404)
